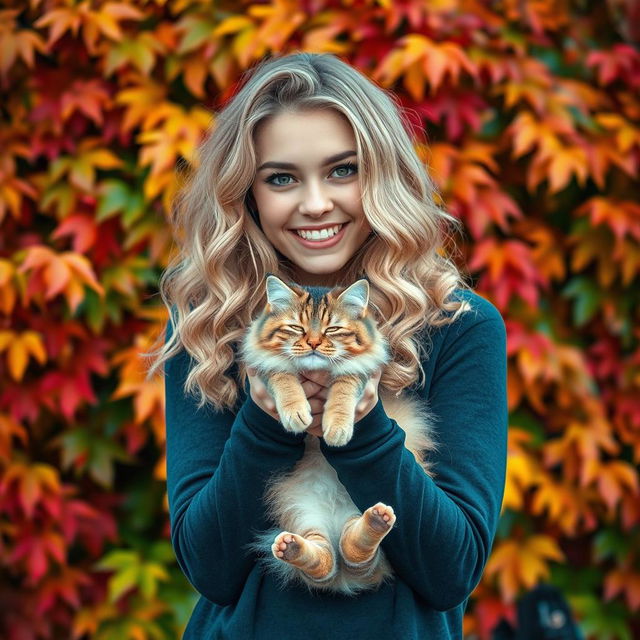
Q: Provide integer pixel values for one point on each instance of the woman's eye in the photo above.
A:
(280, 179)
(345, 170)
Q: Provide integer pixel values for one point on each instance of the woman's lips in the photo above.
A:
(321, 244)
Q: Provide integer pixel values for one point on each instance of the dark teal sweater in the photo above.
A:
(218, 463)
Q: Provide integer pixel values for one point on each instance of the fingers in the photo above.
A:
(312, 389)
(321, 378)
(260, 394)
(369, 397)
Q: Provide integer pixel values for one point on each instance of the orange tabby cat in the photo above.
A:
(324, 540)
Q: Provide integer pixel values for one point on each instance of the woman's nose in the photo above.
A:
(316, 200)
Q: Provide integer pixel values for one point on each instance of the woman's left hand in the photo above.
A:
(316, 387)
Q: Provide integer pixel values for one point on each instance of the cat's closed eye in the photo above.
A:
(337, 330)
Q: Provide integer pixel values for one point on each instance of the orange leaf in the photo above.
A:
(520, 564)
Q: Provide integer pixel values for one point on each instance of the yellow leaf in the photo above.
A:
(34, 345)
(233, 24)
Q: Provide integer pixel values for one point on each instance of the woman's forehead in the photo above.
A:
(323, 133)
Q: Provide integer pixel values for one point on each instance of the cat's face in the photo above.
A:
(311, 330)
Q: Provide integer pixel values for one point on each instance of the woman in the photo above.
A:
(309, 174)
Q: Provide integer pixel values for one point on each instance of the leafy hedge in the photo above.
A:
(532, 119)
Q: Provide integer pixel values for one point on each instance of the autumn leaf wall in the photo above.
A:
(528, 116)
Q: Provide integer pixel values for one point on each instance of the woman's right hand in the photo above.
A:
(260, 394)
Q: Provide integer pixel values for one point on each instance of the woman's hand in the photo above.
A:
(316, 388)
(260, 395)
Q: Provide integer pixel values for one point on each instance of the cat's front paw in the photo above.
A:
(296, 417)
(337, 431)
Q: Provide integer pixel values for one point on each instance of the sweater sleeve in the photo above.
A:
(217, 467)
(445, 524)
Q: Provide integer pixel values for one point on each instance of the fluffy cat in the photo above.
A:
(324, 540)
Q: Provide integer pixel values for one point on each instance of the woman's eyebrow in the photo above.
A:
(289, 165)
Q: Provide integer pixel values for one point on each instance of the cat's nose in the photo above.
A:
(313, 342)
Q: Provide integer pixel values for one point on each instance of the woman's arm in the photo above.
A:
(445, 525)
(217, 467)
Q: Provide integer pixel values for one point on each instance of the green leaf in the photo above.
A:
(587, 299)
(117, 197)
(123, 581)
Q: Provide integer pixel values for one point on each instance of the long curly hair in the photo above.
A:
(214, 286)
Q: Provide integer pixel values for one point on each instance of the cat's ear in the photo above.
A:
(279, 295)
(356, 296)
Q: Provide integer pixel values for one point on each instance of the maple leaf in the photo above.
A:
(323, 30)
(593, 244)
(8, 294)
(508, 270)
(564, 505)
(61, 198)
(622, 217)
(141, 103)
(94, 24)
(64, 273)
(580, 446)
(32, 484)
(418, 59)
(523, 470)
(532, 88)
(20, 348)
(148, 394)
(458, 110)
(198, 30)
(627, 136)
(140, 52)
(520, 564)
(82, 228)
(528, 133)
(131, 571)
(179, 136)
(621, 62)
(546, 248)
(12, 188)
(81, 168)
(623, 580)
(38, 550)
(10, 429)
(613, 479)
(67, 387)
(17, 43)
(64, 587)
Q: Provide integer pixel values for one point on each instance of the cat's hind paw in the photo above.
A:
(313, 557)
(287, 546)
(361, 536)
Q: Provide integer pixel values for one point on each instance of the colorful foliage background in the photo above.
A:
(532, 119)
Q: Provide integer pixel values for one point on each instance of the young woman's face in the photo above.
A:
(307, 192)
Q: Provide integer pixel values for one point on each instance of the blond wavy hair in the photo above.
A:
(214, 286)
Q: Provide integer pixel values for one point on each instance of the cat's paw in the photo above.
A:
(380, 517)
(337, 432)
(287, 547)
(312, 554)
(296, 417)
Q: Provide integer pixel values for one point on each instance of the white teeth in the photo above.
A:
(323, 234)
